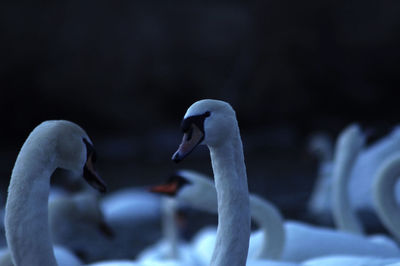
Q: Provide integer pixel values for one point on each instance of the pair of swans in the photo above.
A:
(362, 175)
(63, 144)
(348, 147)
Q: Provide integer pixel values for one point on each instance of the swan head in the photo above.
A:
(351, 138)
(208, 122)
(190, 188)
(73, 149)
(320, 145)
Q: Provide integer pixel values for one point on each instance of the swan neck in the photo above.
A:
(170, 227)
(233, 231)
(384, 195)
(26, 214)
(269, 219)
(343, 214)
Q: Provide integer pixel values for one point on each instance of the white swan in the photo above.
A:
(170, 247)
(348, 145)
(351, 261)
(76, 222)
(196, 190)
(365, 167)
(385, 201)
(214, 124)
(134, 216)
(322, 146)
(50, 145)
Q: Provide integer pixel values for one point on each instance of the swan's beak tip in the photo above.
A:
(176, 157)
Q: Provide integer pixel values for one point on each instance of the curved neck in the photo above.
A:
(232, 241)
(169, 226)
(26, 215)
(343, 214)
(384, 194)
(269, 219)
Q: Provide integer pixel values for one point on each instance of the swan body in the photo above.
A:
(77, 222)
(63, 256)
(366, 167)
(50, 145)
(351, 261)
(134, 216)
(170, 247)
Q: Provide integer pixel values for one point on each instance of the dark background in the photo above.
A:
(126, 71)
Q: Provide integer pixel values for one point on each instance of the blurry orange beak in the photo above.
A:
(169, 189)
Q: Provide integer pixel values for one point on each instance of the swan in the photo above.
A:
(52, 144)
(348, 145)
(384, 196)
(363, 172)
(170, 247)
(213, 123)
(134, 216)
(77, 222)
(197, 191)
(351, 261)
(322, 146)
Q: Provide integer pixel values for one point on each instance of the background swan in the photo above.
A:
(365, 167)
(348, 146)
(322, 146)
(50, 145)
(134, 215)
(171, 246)
(385, 201)
(350, 261)
(76, 222)
(198, 191)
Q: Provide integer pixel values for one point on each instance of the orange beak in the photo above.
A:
(169, 189)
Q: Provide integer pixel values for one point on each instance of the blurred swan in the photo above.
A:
(361, 181)
(134, 216)
(197, 191)
(321, 145)
(349, 144)
(170, 247)
(50, 145)
(385, 201)
(351, 261)
(76, 222)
